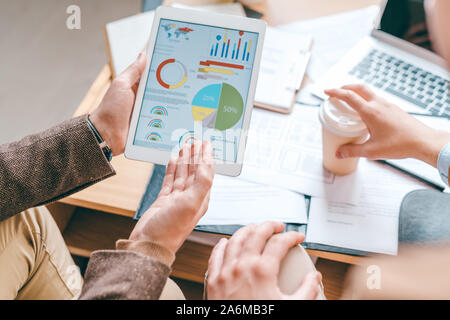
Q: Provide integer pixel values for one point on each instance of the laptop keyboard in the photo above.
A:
(406, 81)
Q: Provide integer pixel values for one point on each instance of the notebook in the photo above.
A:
(283, 65)
(126, 38)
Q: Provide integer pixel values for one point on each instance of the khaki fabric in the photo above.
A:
(35, 263)
(34, 260)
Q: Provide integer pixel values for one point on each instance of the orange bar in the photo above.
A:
(221, 64)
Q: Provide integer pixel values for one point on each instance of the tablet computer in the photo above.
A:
(199, 84)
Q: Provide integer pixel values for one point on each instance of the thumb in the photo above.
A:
(351, 150)
(309, 288)
(133, 73)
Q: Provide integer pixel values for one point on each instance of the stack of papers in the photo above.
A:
(358, 211)
(234, 201)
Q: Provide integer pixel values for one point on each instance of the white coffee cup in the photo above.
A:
(341, 125)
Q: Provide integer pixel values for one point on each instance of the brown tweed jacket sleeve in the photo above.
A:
(50, 165)
(47, 166)
(120, 274)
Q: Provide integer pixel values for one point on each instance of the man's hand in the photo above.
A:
(394, 134)
(247, 265)
(182, 201)
(112, 117)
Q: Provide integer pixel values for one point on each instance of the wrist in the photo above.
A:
(104, 131)
(102, 143)
(429, 145)
(170, 244)
(147, 248)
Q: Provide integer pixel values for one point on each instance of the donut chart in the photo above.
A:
(187, 138)
(154, 137)
(171, 74)
(218, 106)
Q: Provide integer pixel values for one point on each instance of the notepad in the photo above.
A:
(127, 37)
(284, 61)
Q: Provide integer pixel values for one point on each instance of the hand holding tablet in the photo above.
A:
(199, 84)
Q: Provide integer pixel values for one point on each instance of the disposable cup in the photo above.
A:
(341, 125)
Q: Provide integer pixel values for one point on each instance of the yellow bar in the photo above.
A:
(250, 45)
(216, 70)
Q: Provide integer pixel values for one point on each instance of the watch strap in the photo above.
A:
(102, 143)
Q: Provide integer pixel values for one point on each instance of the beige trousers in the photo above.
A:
(34, 260)
(35, 263)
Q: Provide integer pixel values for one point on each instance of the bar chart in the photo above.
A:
(238, 49)
(211, 69)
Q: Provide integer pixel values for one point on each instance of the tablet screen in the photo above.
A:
(197, 88)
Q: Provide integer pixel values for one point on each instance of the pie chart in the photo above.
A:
(171, 74)
(218, 106)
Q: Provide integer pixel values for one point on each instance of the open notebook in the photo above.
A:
(284, 61)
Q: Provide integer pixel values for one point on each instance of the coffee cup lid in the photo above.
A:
(341, 119)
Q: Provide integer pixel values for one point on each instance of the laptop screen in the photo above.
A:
(405, 19)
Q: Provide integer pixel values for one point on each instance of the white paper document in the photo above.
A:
(370, 226)
(284, 60)
(334, 36)
(234, 201)
(286, 151)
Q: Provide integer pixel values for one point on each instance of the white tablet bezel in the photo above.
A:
(205, 18)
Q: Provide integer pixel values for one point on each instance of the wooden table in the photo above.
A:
(96, 217)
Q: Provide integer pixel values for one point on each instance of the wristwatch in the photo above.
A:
(102, 143)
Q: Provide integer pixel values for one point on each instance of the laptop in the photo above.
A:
(397, 61)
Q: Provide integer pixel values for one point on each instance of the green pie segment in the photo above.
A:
(218, 106)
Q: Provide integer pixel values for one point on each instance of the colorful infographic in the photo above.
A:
(159, 110)
(171, 74)
(187, 138)
(175, 32)
(240, 47)
(197, 88)
(154, 137)
(218, 106)
(156, 123)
